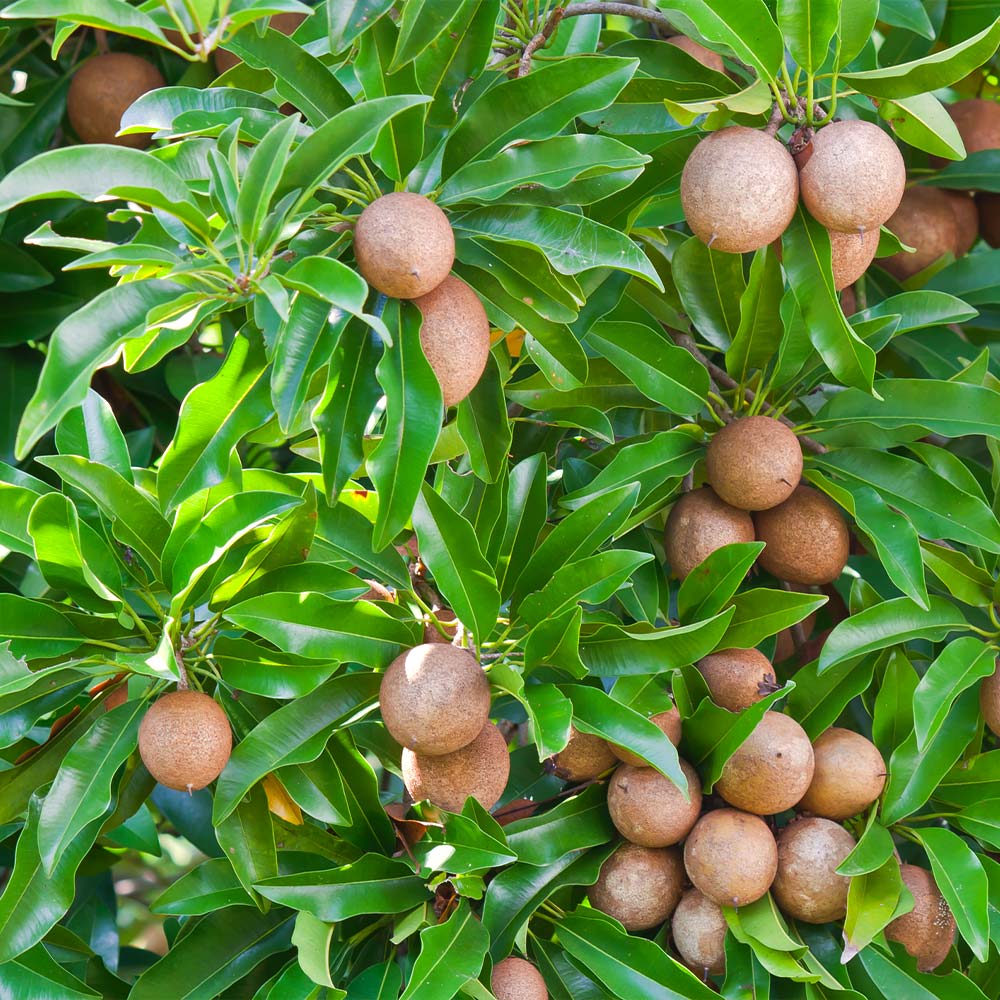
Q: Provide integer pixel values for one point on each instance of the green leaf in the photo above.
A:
(36, 629)
(711, 286)
(873, 849)
(210, 886)
(808, 26)
(819, 699)
(874, 899)
(708, 588)
(761, 613)
(451, 954)
(483, 424)
(977, 172)
(35, 975)
(921, 121)
(470, 841)
(246, 836)
(351, 18)
(312, 939)
(757, 336)
(253, 667)
(857, 21)
(92, 432)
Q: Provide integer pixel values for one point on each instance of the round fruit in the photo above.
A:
(708, 58)
(700, 523)
(989, 701)
(649, 809)
(737, 678)
(928, 930)
(639, 886)
(117, 698)
(285, 23)
(516, 979)
(966, 220)
(731, 857)
(853, 176)
(583, 758)
(978, 123)
(185, 740)
(988, 206)
(404, 245)
(455, 336)
(699, 930)
(925, 220)
(102, 90)
(670, 724)
(806, 885)
(806, 538)
(851, 255)
(739, 189)
(480, 769)
(848, 776)
(771, 769)
(754, 463)
(435, 699)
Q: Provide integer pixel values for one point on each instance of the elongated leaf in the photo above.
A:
(759, 332)
(451, 954)
(35, 629)
(707, 589)
(246, 836)
(92, 432)
(873, 900)
(808, 26)
(760, 613)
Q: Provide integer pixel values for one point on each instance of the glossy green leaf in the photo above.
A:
(708, 588)
(574, 824)
(762, 612)
(808, 26)
(711, 285)
(92, 432)
(873, 900)
(451, 953)
(246, 837)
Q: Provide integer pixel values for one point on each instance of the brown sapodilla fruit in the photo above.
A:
(806, 538)
(848, 776)
(739, 189)
(978, 123)
(669, 723)
(926, 221)
(404, 245)
(639, 886)
(516, 979)
(851, 254)
(699, 523)
(285, 23)
(989, 701)
(737, 678)
(771, 770)
(852, 176)
(455, 336)
(649, 809)
(480, 769)
(731, 857)
(708, 58)
(754, 463)
(966, 220)
(185, 740)
(435, 698)
(699, 930)
(806, 885)
(102, 90)
(583, 758)
(927, 932)
(988, 206)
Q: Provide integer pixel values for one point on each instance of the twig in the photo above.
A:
(524, 66)
(799, 637)
(776, 120)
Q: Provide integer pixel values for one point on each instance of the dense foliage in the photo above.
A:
(226, 464)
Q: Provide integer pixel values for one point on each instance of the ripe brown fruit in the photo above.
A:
(435, 699)
(731, 857)
(806, 885)
(117, 698)
(669, 723)
(583, 758)
(978, 123)
(739, 189)
(737, 678)
(516, 979)
(185, 740)
(285, 23)
(101, 92)
(754, 463)
(771, 769)
(708, 58)
(851, 254)
(404, 245)
(700, 523)
(988, 206)
(925, 220)
(927, 932)
(806, 538)
(649, 809)
(699, 931)
(966, 220)
(480, 769)
(989, 701)
(455, 336)
(848, 776)
(639, 886)
(852, 176)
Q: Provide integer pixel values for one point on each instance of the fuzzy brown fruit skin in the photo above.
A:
(988, 205)
(708, 58)
(649, 809)
(806, 538)
(848, 776)
(455, 337)
(480, 769)
(583, 758)
(102, 90)
(739, 189)
(737, 678)
(285, 23)
(435, 699)
(925, 220)
(989, 701)
(731, 857)
(404, 245)
(699, 930)
(517, 979)
(771, 770)
(754, 463)
(927, 932)
(851, 253)
(966, 220)
(806, 886)
(978, 123)
(700, 523)
(853, 178)
(185, 740)
(639, 886)
(669, 723)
